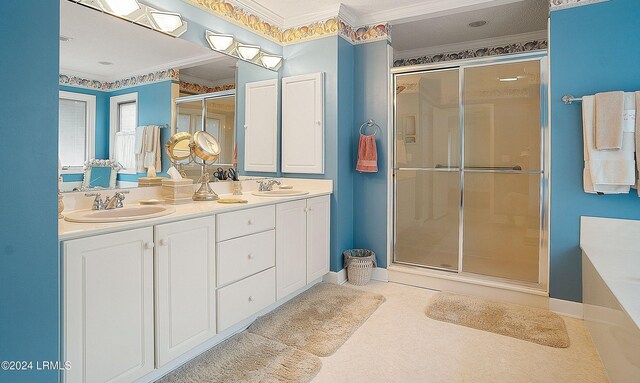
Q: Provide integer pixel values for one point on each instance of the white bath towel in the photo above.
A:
(606, 171)
(150, 152)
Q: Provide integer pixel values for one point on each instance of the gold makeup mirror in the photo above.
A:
(179, 149)
(206, 147)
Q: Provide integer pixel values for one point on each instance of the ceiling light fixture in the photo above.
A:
(477, 24)
(121, 7)
(168, 22)
(248, 52)
(219, 41)
(271, 61)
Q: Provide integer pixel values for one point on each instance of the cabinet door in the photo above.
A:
(291, 247)
(185, 286)
(108, 307)
(261, 126)
(318, 237)
(303, 124)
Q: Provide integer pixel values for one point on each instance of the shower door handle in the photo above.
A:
(516, 167)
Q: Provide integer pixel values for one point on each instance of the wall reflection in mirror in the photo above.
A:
(126, 90)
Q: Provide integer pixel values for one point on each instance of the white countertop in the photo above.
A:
(613, 247)
(71, 230)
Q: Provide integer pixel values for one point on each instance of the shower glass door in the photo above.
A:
(427, 162)
(468, 169)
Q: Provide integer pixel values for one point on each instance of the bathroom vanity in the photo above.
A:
(142, 297)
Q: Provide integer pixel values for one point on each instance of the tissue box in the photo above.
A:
(177, 191)
(150, 181)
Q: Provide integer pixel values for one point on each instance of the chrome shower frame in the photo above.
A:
(460, 65)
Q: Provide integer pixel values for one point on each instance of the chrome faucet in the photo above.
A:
(114, 202)
(97, 202)
(267, 185)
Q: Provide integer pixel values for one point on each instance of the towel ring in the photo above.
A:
(369, 124)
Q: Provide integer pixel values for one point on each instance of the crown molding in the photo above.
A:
(555, 5)
(260, 11)
(347, 14)
(426, 10)
(310, 18)
(469, 45)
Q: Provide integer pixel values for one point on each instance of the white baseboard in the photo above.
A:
(566, 308)
(340, 277)
(336, 277)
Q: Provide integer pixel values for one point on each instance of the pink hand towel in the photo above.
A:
(367, 154)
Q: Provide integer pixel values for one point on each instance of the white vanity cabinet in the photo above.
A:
(303, 124)
(302, 243)
(108, 307)
(185, 286)
(261, 126)
(138, 302)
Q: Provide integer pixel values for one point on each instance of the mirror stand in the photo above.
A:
(204, 192)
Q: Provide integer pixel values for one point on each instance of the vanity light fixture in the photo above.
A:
(221, 42)
(271, 61)
(168, 22)
(226, 43)
(248, 52)
(121, 7)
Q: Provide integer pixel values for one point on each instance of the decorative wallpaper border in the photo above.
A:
(555, 5)
(471, 53)
(163, 75)
(189, 87)
(330, 27)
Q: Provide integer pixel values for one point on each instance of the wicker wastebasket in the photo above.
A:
(359, 264)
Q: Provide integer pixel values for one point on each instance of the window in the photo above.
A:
(123, 124)
(76, 126)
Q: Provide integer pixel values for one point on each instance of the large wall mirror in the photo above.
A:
(125, 90)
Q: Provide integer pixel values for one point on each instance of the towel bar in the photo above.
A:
(569, 99)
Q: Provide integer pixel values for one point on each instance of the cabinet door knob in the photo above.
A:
(148, 245)
(250, 256)
(250, 222)
(318, 122)
(164, 242)
(246, 126)
(251, 298)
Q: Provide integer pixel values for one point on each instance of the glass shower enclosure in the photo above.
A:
(468, 169)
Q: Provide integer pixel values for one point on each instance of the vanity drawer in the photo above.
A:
(245, 222)
(244, 256)
(245, 298)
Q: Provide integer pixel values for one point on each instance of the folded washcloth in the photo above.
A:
(608, 120)
(606, 171)
(367, 154)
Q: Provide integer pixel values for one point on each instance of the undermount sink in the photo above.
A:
(132, 213)
(280, 193)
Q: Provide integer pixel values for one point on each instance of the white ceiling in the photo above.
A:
(523, 17)
(131, 48)
(289, 13)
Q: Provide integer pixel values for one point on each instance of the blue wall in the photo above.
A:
(154, 108)
(29, 259)
(594, 48)
(370, 189)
